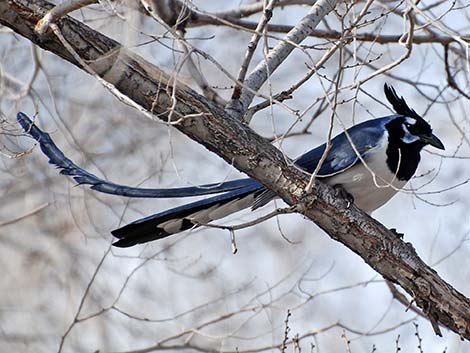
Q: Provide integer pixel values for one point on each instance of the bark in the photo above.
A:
(208, 124)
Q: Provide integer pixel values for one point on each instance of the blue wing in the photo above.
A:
(152, 227)
(342, 155)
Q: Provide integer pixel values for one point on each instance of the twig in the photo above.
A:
(60, 11)
(199, 78)
(407, 43)
(418, 337)
(276, 212)
(178, 16)
(340, 43)
(23, 216)
(400, 297)
(267, 14)
(333, 104)
(280, 52)
(245, 10)
(233, 241)
(397, 344)
(286, 332)
(450, 78)
(347, 341)
(82, 300)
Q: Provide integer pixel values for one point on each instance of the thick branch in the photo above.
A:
(206, 123)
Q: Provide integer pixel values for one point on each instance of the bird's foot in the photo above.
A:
(342, 193)
(399, 235)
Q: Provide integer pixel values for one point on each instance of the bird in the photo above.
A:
(371, 161)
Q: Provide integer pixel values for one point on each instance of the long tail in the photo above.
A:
(188, 216)
(242, 193)
(83, 177)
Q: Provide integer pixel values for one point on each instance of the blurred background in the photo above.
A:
(64, 288)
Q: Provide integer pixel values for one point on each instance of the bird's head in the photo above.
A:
(410, 127)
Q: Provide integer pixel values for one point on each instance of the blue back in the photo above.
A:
(365, 136)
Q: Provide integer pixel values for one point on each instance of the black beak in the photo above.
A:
(432, 140)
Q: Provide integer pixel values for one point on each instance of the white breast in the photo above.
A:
(371, 186)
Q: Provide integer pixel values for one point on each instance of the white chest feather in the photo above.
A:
(371, 184)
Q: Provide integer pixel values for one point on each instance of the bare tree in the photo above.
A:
(234, 80)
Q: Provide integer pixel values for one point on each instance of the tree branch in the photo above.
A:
(202, 121)
(254, 81)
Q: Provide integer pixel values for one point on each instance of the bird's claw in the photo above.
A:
(342, 193)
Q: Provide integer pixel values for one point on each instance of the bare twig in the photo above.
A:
(60, 11)
(245, 10)
(267, 14)
(23, 216)
(279, 53)
(82, 301)
(450, 78)
(418, 337)
(176, 14)
(400, 297)
(329, 34)
(406, 40)
(276, 212)
(286, 332)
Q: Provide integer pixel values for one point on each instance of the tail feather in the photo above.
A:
(185, 217)
(83, 177)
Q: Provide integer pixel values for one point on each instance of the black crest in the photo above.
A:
(399, 103)
(403, 157)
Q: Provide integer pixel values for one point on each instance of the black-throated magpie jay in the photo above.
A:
(371, 161)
